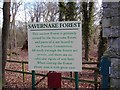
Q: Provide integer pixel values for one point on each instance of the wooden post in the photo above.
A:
(95, 79)
(23, 70)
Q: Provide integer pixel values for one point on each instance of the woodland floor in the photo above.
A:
(15, 80)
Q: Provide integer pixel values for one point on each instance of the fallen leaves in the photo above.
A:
(15, 80)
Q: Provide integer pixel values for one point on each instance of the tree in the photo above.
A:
(87, 10)
(61, 11)
(70, 14)
(0, 54)
(14, 9)
(5, 29)
(85, 28)
(71, 11)
(43, 11)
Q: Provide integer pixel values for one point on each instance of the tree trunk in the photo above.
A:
(71, 11)
(70, 14)
(5, 28)
(85, 29)
(14, 12)
(87, 25)
(61, 11)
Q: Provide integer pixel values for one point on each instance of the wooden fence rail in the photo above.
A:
(95, 69)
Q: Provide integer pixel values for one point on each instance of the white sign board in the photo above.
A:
(55, 46)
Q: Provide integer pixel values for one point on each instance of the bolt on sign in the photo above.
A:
(55, 46)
